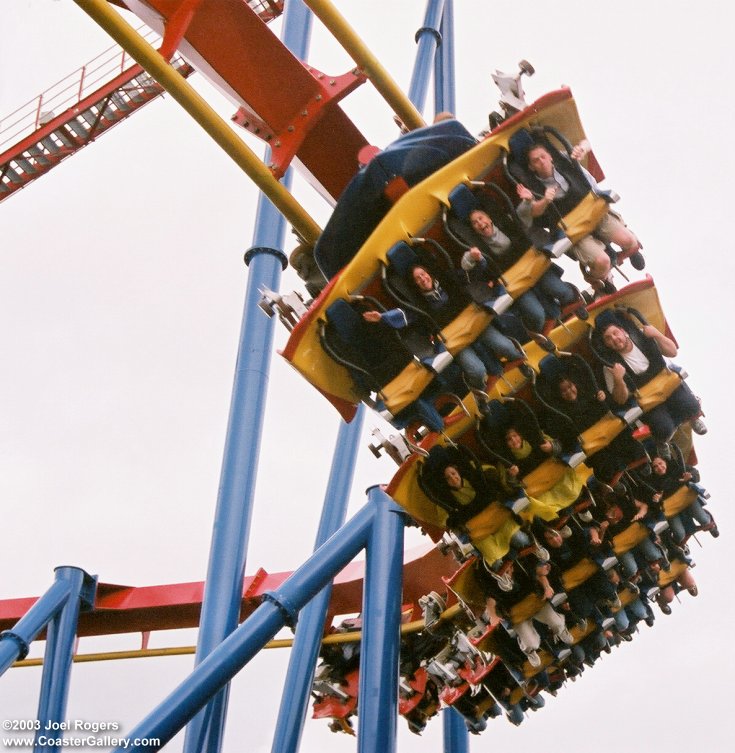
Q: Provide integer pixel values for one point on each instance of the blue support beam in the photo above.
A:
(428, 38)
(231, 532)
(278, 609)
(57, 659)
(14, 643)
(444, 84)
(456, 737)
(307, 641)
(381, 625)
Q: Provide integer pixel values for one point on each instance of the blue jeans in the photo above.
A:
(492, 344)
(556, 291)
(646, 549)
(696, 511)
(530, 310)
(664, 419)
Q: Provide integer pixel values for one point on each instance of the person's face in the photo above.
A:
(513, 439)
(481, 223)
(658, 466)
(540, 162)
(553, 539)
(616, 338)
(452, 477)
(568, 390)
(422, 279)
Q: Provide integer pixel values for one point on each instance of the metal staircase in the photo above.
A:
(72, 113)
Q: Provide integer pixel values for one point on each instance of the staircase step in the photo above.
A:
(78, 128)
(67, 137)
(25, 165)
(38, 154)
(49, 145)
(120, 102)
(11, 175)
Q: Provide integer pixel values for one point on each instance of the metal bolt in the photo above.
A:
(318, 98)
(332, 82)
(290, 129)
(304, 113)
(277, 143)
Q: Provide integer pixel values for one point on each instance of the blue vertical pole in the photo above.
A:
(381, 625)
(228, 552)
(456, 736)
(427, 38)
(57, 658)
(444, 100)
(279, 608)
(307, 641)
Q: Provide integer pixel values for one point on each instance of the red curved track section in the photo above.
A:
(131, 609)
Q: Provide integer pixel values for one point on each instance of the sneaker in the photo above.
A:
(637, 261)
(533, 659)
(608, 563)
(698, 426)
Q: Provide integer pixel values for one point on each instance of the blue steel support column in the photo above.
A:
(228, 553)
(305, 650)
(456, 736)
(381, 625)
(14, 643)
(278, 609)
(444, 85)
(428, 38)
(58, 654)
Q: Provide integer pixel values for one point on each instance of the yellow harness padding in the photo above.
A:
(468, 589)
(667, 578)
(526, 272)
(601, 433)
(403, 389)
(465, 328)
(630, 537)
(489, 522)
(526, 608)
(551, 487)
(658, 390)
(496, 545)
(578, 574)
(585, 217)
(682, 498)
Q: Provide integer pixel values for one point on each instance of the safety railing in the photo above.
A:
(71, 90)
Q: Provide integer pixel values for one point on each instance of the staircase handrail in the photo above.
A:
(68, 91)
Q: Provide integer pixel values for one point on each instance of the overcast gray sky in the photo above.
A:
(120, 302)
